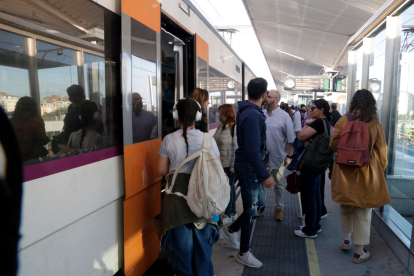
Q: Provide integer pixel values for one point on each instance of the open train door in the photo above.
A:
(141, 84)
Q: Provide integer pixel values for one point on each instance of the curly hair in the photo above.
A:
(187, 110)
(363, 105)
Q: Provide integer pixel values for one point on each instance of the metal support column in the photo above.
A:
(32, 68)
(158, 99)
(389, 115)
(352, 66)
(368, 48)
(79, 61)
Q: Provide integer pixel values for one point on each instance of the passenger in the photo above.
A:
(335, 114)
(371, 190)
(280, 136)
(30, 129)
(303, 108)
(143, 122)
(11, 188)
(189, 239)
(168, 101)
(213, 114)
(201, 96)
(249, 168)
(72, 123)
(311, 181)
(87, 137)
(285, 107)
(297, 118)
(226, 139)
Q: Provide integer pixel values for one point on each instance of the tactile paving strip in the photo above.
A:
(275, 244)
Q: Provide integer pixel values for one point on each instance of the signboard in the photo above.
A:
(306, 83)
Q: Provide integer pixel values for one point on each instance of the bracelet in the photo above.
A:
(289, 156)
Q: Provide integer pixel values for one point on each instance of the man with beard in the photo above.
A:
(279, 139)
(144, 123)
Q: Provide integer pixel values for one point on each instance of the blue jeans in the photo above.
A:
(311, 192)
(231, 208)
(250, 186)
(190, 249)
(262, 201)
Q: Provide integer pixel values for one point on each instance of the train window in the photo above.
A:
(144, 83)
(60, 80)
(14, 74)
(202, 76)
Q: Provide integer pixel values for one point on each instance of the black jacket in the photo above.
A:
(335, 117)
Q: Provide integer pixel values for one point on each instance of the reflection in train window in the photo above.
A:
(144, 83)
(46, 83)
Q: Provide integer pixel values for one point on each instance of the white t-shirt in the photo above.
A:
(174, 148)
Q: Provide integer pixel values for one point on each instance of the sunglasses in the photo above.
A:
(312, 108)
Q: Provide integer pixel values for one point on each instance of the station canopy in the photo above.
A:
(315, 32)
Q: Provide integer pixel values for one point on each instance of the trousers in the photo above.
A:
(357, 220)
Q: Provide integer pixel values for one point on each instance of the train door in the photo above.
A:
(141, 101)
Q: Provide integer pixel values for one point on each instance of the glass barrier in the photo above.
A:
(376, 70)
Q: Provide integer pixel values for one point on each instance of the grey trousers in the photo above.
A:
(279, 176)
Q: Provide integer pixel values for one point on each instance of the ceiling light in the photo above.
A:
(286, 73)
(290, 55)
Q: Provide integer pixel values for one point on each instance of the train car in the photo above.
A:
(88, 209)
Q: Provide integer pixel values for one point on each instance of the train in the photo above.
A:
(91, 211)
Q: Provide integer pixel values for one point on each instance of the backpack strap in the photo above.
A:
(232, 130)
(207, 141)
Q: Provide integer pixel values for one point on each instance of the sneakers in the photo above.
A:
(299, 233)
(233, 217)
(278, 214)
(358, 259)
(301, 216)
(248, 259)
(302, 226)
(225, 220)
(324, 216)
(346, 245)
(232, 238)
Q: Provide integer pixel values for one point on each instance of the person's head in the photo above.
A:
(90, 114)
(256, 89)
(303, 107)
(26, 108)
(319, 109)
(201, 96)
(272, 100)
(363, 105)
(136, 103)
(333, 106)
(187, 111)
(171, 81)
(76, 94)
(227, 114)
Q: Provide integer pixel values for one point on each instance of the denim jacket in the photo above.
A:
(298, 152)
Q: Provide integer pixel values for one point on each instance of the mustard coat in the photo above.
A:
(362, 187)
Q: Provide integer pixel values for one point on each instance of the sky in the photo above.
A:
(232, 14)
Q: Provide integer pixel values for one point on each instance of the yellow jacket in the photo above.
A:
(362, 187)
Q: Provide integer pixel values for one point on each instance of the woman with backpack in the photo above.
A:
(188, 238)
(201, 96)
(226, 139)
(311, 180)
(359, 184)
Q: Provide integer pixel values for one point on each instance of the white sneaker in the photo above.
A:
(225, 220)
(324, 216)
(301, 216)
(221, 237)
(299, 233)
(232, 238)
(249, 259)
(234, 217)
(303, 226)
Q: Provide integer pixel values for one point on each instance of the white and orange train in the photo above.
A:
(92, 212)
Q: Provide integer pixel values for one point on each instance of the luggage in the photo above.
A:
(293, 182)
(353, 144)
(208, 190)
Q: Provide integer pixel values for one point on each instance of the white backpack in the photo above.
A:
(208, 189)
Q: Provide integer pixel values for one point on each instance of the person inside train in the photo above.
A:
(168, 101)
(72, 123)
(188, 238)
(144, 123)
(311, 181)
(226, 139)
(201, 96)
(11, 190)
(214, 114)
(30, 129)
(87, 137)
(250, 169)
(371, 190)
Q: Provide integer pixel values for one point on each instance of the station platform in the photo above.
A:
(283, 253)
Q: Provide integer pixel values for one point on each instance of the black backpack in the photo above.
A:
(319, 154)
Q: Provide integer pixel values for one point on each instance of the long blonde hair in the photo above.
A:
(200, 95)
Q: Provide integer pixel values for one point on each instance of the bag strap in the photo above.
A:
(232, 130)
(325, 128)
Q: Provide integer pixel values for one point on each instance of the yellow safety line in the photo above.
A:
(311, 251)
